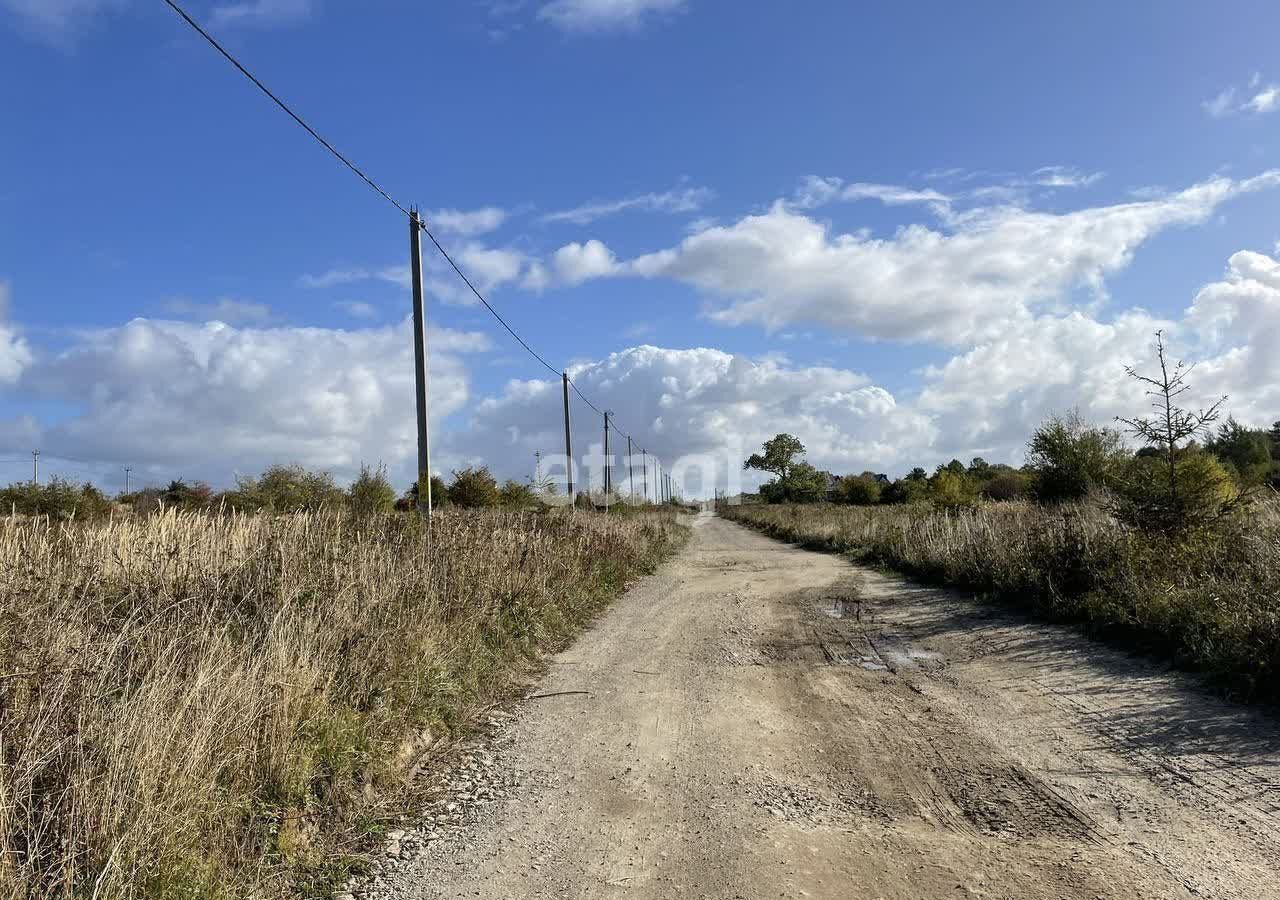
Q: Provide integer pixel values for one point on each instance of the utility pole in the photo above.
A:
(568, 443)
(35, 466)
(644, 468)
(420, 365)
(631, 472)
(127, 470)
(607, 478)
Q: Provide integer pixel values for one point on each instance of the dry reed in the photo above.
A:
(190, 704)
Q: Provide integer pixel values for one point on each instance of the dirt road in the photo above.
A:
(764, 721)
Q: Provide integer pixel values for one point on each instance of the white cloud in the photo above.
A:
(676, 200)
(1064, 177)
(224, 309)
(56, 21)
(489, 268)
(699, 401)
(206, 400)
(815, 191)
(1257, 99)
(263, 13)
(576, 263)
(1264, 101)
(605, 15)
(988, 270)
(397, 275)
(15, 354)
(357, 309)
(468, 222)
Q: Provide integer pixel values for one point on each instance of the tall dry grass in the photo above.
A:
(191, 705)
(1207, 598)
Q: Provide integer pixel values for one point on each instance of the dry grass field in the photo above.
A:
(196, 705)
(1208, 598)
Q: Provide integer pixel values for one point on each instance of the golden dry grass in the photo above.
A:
(1209, 598)
(199, 706)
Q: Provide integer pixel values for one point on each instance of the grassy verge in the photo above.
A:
(207, 707)
(1208, 600)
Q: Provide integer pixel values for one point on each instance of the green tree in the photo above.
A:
(1067, 458)
(908, 489)
(805, 484)
(782, 453)
(1245, 450)
(949, 489)
(859, 490)
(1178, 486)
(473, 487)
(796, 481)
(1007, 485)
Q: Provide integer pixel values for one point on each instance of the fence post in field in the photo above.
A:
(607, 474)
(420, 365)
(568, 444)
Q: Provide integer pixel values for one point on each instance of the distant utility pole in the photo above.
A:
(127, 470)
(631, 472)
(607, 477)
(644, 468)
(35, 466)
(568, 442)
(420, 364)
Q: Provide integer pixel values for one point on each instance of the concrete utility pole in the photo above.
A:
(644, 468)
(127, 470)
(631, 472)
(608, 480)
(568, 442)
(420, 364)
(35, 466)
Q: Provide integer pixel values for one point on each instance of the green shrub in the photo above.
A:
(1068, 458)
(57, 498)
(474, 487)
(371, 492)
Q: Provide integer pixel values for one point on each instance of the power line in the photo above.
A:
(552, 369)
(280, 103)
(383, 193)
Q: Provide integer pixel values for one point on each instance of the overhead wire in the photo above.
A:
(412, 214)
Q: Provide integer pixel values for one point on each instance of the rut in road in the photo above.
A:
(763, 721)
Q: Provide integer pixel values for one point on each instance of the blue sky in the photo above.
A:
(903, 233)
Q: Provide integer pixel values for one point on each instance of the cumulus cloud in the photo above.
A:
(260, 13)
(178, 399)
(15, 354)
(984, 271)
(676, 200)
(578, 16)
(698, 402)
(576, 263)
